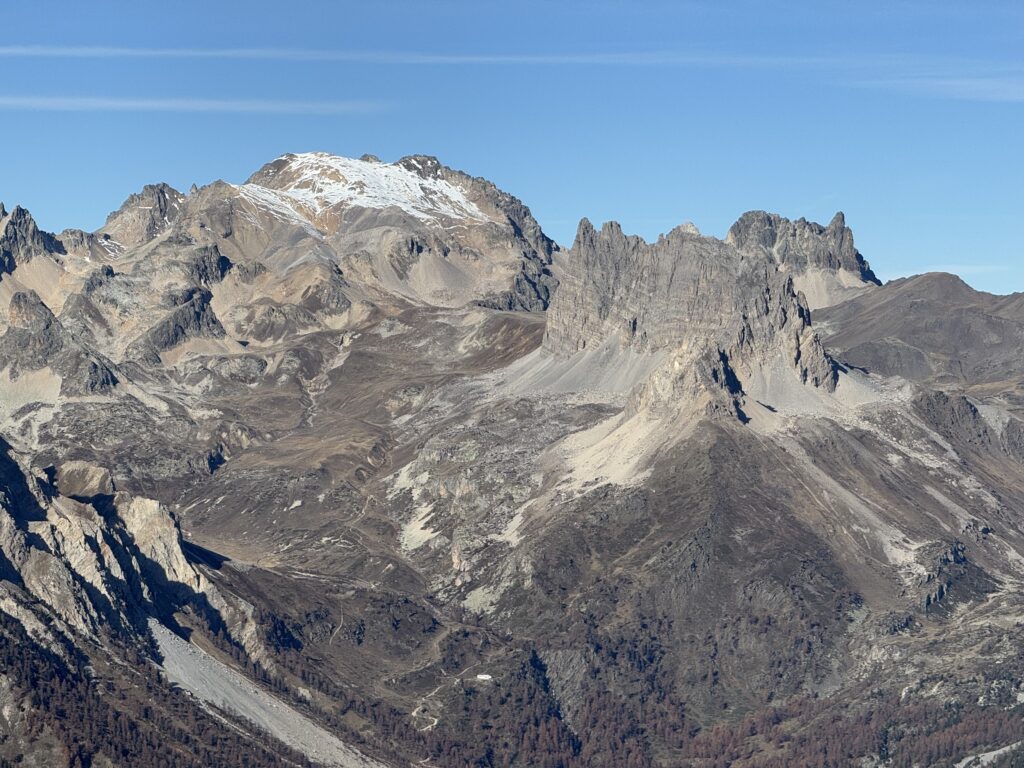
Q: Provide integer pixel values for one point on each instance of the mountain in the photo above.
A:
(352, 465)
(823, 260)
(935, 329)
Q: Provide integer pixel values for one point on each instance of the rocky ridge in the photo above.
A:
(144, 215)
(825, 265)
(352, 429)
(707, 313)
(94, 559)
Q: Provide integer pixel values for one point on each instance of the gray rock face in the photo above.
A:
(690, 297)
(28, 313)
(33, 335)
(206, 266)
(35, 340)
(801, 244)
(956, 418)
(89, 566)
(144, 215)
(192, 317)
(21, 240)
(1013, 438)
(823, 260)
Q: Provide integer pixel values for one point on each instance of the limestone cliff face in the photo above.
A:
(88, 556)
(712, 312)
(822, 260)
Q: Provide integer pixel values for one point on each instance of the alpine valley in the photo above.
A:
(352, 465)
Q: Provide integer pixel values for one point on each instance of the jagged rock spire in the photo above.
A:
(21, 240)
(144, 215)
(801, 244)
(696, 301)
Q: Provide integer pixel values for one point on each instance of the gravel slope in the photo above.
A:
(216, 684)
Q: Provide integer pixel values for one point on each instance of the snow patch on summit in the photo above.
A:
(319, 181)
(280, 205)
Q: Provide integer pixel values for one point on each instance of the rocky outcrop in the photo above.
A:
(21, 240)
(35, 339)
(191, 317)
(33, 333)
(949, 578)
(822, 260)
(103, 560)
(144, 215)
(955, 417)
(710, 311)
(1013, 438)
(801, 244)
(532, 289)
(157, 538)
(205, 265)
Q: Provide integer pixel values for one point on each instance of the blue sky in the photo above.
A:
(907, 115)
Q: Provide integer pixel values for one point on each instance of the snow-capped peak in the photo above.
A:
(316, 181)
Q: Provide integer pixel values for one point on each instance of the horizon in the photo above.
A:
(623, 383)
(667, 113)
(568, 242)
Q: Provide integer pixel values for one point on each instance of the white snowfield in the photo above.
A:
(280, 205)
(317, 181)
(214, 683)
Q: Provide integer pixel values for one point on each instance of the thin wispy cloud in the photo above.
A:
(242, 106)
(908, 65)
(1009, 89)
(412, 58)
(952, 78)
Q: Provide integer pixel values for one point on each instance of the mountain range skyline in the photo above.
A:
(977, 275)
(649, 114)
(354, 457)
(591, 384)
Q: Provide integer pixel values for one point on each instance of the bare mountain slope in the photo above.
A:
(376, 457)
(934, 329)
